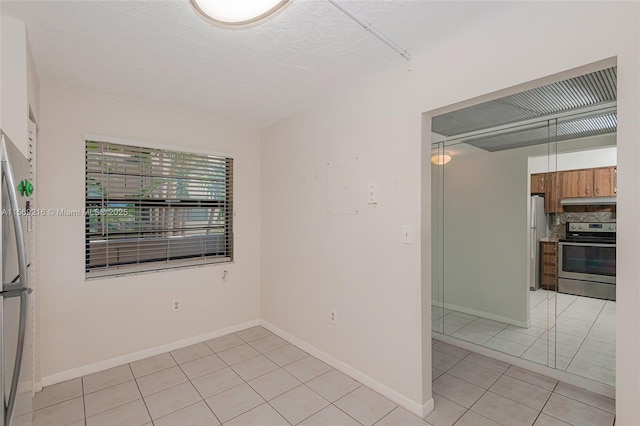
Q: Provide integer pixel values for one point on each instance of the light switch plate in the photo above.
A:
(407, 234)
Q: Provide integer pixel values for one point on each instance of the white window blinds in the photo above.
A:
(149, 209)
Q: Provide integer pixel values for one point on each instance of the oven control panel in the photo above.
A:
(591, 227)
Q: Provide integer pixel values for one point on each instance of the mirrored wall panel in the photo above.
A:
(524, 225)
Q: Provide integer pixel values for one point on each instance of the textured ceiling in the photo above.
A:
(162, 53)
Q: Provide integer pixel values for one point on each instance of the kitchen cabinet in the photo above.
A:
(549, 265)
(547, 185)
(582, 183)
(538, 183)
(552, 193)
(604, 182)
(577, 183)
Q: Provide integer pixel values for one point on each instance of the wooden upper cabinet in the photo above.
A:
(552, 194)
(583, 183)
(604, 182)
(577, 183)
(538, 183)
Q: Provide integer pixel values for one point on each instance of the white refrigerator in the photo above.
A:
(537, 229)
(16, 318)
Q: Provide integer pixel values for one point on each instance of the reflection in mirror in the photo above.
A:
(504, 208)
(584, 227)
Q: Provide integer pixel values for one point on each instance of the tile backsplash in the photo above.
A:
(559, 231)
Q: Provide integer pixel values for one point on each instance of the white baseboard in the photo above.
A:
(74, 373)
(416, 408)
(482, 314)
(427, 408)
(411, 405)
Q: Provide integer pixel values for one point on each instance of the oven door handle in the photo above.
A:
(569, 243)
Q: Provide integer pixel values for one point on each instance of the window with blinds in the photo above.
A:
(149, 209)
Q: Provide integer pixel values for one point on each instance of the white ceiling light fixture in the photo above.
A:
(238, 13)
(440, 159)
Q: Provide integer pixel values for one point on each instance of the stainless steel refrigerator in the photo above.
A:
(16, 316)
(537, 229)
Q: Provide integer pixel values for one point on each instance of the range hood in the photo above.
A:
(589, 201)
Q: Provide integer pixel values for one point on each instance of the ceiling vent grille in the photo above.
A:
(573, 94)
(575, 128)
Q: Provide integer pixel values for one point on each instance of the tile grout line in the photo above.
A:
(227, 366)
(194, 387)
(532, 384)
(144, 401)
(84, 409)
(467, 409)
(583, 340)
(489, 390)
(194, 359)
(109, 387)
(245, 381)
(84, 402)
(279, 367)
(341, 410)
(546, 402)
(230, 347)
(568, 397)
(505, 397)
(312, 414)
(267, 401)
(552, 301)
(386, 415)
(477, 332)
(585, 403)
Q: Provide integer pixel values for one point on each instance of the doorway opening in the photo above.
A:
(513, 177)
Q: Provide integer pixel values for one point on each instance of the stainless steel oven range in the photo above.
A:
(587, 260)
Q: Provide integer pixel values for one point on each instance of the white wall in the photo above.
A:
(84, 324)
(13, 79)
(313, 262)
(485, 233)
(33, 84)
(602, 157)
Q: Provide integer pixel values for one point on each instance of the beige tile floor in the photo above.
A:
(254, 377)
(571, 333)
(474, 390)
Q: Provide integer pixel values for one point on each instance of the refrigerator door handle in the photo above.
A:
(15, 284)
(533, 251)
(7, 173)
(532, 213)
(15, 292)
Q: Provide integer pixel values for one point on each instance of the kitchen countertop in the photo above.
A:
(549, 240)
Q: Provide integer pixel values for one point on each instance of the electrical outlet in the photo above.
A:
(333, 316)
(176, 305)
